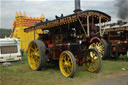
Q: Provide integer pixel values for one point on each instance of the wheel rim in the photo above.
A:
(92, 61)
(66, 64)
(33, 56)
(99, 46)
(127, 54)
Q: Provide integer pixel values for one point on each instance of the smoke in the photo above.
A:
(122, 6)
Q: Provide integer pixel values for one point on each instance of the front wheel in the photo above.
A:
(67, 64)
(93, 60)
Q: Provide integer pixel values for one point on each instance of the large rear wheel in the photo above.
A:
(93, 60)
(36, 55)
(67, 64)
(101, 46)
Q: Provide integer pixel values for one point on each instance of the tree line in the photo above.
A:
(4, 32)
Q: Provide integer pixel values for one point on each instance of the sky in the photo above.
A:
(50, 8)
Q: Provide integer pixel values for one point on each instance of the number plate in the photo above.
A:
(10, 59)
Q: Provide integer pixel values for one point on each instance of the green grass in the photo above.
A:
(20, 74)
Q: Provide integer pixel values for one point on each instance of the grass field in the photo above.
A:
(20, 74)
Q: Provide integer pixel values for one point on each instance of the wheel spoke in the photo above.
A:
(37, 54)
(68, 71)
(32, 49)
(37, 50)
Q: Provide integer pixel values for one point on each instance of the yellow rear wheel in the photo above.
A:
(67, 64)
(127, 54)
(36, 55)
(101, 46)
(93, 60)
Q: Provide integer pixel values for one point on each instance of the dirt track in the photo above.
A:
(119, 78)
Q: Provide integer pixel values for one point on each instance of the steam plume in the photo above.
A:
(122, 6)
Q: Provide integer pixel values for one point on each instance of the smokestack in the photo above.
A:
(122, 6)
(77, 6)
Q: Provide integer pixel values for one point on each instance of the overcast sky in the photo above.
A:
(50, 8)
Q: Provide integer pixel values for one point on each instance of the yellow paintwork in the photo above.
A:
(20, 23)
(33, 56)
(99, 46)
(66, 64)
(25, 38)
(92, 61)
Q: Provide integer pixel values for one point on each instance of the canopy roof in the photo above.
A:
(71, 18)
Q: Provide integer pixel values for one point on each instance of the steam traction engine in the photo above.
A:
(117, 38)
(67, 40)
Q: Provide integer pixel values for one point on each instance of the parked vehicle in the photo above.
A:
(68, 40)
(9, 50)
(117, 37)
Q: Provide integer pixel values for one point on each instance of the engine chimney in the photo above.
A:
(77, 6)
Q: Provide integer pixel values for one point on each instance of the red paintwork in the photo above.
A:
(95, 39)
(50, 45)
(47, 42)
(56, 53)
